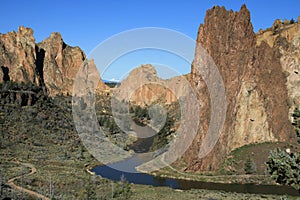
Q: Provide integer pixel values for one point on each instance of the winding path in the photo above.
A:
(11, 183)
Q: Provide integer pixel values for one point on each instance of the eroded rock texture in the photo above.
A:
(144, 87)
(18, 56)
(256, 90)
(52, 63)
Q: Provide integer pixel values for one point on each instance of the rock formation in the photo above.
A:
(18, 56)
(144, 87)
(286, 38)
(255, 83)
(51, 63)
(279, 29)
(60, 64)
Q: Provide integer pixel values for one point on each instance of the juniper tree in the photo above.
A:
(284, 166)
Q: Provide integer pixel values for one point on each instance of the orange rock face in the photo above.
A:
(286, 39)
(18, 56)
(256, 92)
(51, 63)
(144, 87)
(60, 64)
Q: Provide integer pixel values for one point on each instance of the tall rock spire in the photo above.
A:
(255, 87)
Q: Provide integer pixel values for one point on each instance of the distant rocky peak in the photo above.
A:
(143, 87)
(143, 73)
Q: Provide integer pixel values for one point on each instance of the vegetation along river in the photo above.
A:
(141, 147)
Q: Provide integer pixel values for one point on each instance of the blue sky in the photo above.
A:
(88, 23)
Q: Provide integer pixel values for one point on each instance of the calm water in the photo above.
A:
(145, 179)
(113, 172)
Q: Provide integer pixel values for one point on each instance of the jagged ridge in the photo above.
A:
(52, 63)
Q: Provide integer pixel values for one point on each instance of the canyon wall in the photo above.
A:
(285, 36)
(255, 84)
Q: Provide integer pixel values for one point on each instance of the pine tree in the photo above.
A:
(249, 166)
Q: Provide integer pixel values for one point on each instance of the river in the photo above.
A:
(127, 169)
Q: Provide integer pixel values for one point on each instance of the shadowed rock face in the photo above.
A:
(51, 63)
(286, 38)
(256, 91)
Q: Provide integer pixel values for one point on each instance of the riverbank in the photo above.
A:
(233, 168)
(170, 172)
(187, 180)
(165, 193)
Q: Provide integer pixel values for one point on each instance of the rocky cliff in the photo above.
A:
(60, 63)
(255, 84)
(52, 63)
(18, 56)
(285, 36)
(143, 87)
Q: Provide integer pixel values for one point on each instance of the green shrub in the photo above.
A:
(285, 167)
(123, 189)
(250, 167)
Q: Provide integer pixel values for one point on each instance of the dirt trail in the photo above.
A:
(30, 192)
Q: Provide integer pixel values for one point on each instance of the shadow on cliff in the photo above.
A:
(5, 71)
(40, 56)
(39, 62)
